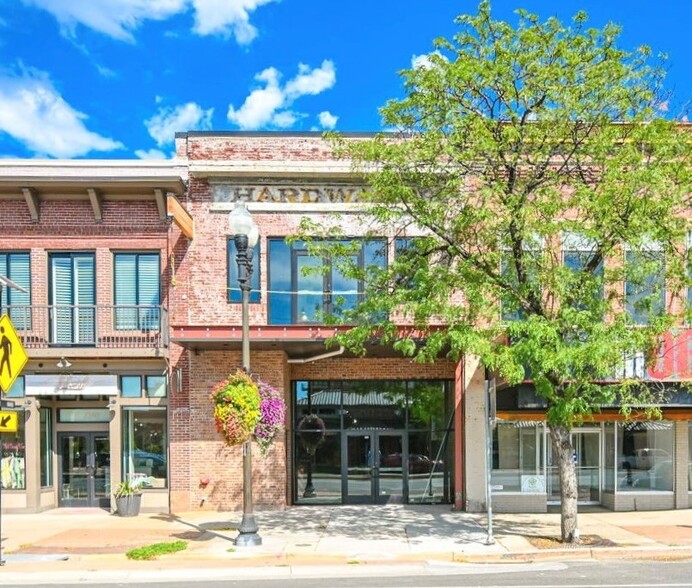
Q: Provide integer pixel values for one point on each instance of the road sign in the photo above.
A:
(8, 422)
(13, 357)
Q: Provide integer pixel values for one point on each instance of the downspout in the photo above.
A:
(318, 357)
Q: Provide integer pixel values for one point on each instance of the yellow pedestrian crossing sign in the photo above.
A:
(9, 421)
(13, 357)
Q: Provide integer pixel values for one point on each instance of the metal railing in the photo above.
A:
(90, 325)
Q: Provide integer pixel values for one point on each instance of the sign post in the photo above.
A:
(490, 416)
(13, 358)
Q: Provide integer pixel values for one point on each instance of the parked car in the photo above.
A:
(646, 458)
(417, 463)
(658, 477)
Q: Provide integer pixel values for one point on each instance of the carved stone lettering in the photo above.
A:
(274, 192)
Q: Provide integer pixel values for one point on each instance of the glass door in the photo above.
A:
(84, 469)
(587, 445)
(587, 456)
(374, 466)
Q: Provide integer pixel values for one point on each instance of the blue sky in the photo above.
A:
(117, 78)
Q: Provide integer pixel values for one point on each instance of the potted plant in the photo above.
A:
(128, 498)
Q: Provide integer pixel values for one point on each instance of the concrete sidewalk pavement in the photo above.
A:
(79, 541)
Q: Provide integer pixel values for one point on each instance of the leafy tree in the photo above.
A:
(514, 144)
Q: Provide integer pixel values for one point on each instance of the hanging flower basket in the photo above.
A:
(272, 416)
(243, 408)
(236, 407)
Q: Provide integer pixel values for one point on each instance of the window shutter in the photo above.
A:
(149, 290)
(61, 268)
(85, 298)
(125, 291)
(20, 273)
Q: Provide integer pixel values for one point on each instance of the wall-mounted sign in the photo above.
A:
(533, 484)
(285, 192)
(71, 385)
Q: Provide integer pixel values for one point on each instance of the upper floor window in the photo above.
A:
(16, 267)
(234, 293)
(645, 293)
(137, 295)
(577, 254)
(304, 287)
(73, 298)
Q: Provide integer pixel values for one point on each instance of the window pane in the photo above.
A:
(426, 405)
(645, 456)
(518, 457)
(144, 446)
(131, 386)
(17, 267)
(17, 389)
(84, 415)
(309, 288)
(644, 288)
(46, 433)
(234, 293)
(156, 386)
(13, 461)
(280, 291)
(318, 469)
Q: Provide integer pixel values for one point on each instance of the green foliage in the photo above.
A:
(149, 552)
(510, 140)
(236, 407)
(127, 488)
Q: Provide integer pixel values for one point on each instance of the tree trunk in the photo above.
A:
(564, 452)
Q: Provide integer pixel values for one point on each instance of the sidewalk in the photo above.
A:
(74, 544)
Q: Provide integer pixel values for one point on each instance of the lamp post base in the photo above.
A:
(249, 538)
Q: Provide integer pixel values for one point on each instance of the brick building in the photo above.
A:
(133, 314)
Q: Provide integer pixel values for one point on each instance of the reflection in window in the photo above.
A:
(518, 449)
(144, 446)
(13, 460)
(645, 456)
(689, 450)
(318, 467)
(645, 285)
(304, 287)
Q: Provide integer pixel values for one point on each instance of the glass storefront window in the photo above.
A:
(518, 457)
(144, 446)
(645, 456)
(318, 467)
(46, 434)
(13, 460)
(373, 441)
(609, 457)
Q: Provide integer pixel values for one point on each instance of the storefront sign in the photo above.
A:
(71, 384)
(284, 192)
(533, 484)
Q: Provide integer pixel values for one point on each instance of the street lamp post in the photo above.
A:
(245, 235)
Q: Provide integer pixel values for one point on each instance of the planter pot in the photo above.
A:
(128, 506)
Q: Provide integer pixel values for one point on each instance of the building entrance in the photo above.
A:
(373, 468)
(84, 469)
(587, 455)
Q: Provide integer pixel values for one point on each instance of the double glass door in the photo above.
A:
(374, 464)
(84, 471)
(587, 456)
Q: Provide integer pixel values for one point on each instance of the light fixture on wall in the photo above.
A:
(63, 363)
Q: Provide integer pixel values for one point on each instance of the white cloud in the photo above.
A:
(115, 18)
(184, 117)
(226, 18)
(150, 154)
(119, 19)
(424, 61)
(268, 105)
(327, 119)
(311, 81)
(35, 114)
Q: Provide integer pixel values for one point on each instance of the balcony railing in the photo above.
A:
(102, 326)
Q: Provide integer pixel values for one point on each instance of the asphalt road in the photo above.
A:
(574, 574)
